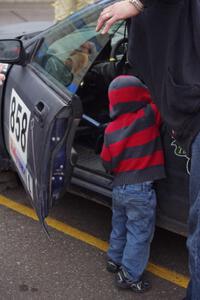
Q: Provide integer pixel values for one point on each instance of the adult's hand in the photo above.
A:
(118, 11)
(2, 76)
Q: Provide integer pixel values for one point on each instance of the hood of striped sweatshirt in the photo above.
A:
(127, 94)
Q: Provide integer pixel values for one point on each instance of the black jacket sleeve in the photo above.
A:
(149, 2)
(146, 2)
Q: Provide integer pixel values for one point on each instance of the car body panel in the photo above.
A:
(63, 111)
(37, 127)
(40, 121)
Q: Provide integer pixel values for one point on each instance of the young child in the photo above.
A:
(132, 152)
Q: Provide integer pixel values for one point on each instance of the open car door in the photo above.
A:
(39, 127)
(41, 109)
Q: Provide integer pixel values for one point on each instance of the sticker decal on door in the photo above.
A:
(19, 119)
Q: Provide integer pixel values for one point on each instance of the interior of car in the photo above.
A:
(93, 93)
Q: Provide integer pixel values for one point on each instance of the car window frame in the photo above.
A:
(47, 77)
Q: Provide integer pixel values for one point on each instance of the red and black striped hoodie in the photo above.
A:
(132, 149)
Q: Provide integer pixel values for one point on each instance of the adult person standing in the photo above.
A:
(164, 50)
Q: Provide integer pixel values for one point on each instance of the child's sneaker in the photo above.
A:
(123, 282)
(111, 266)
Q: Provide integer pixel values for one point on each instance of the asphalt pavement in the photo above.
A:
(71, 264)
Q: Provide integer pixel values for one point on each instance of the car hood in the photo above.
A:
(17, 30)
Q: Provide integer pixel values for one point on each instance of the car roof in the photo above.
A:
(20, 29)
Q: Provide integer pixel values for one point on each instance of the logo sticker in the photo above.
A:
(178, 151)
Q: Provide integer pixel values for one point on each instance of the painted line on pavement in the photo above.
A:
(157, 270)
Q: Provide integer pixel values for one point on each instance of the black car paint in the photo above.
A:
(5, 162)
(172, 192)
(37, 152)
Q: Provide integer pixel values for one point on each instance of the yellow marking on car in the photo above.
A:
(159, 271)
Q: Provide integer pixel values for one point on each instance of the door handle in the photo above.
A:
(41, 111)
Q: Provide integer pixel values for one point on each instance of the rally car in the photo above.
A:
(54, 109)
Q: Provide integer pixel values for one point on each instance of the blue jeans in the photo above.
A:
(193, 241)
(133, 223)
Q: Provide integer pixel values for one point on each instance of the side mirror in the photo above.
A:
(12, 51)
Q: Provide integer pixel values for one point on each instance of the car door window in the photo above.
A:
(69, 48)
